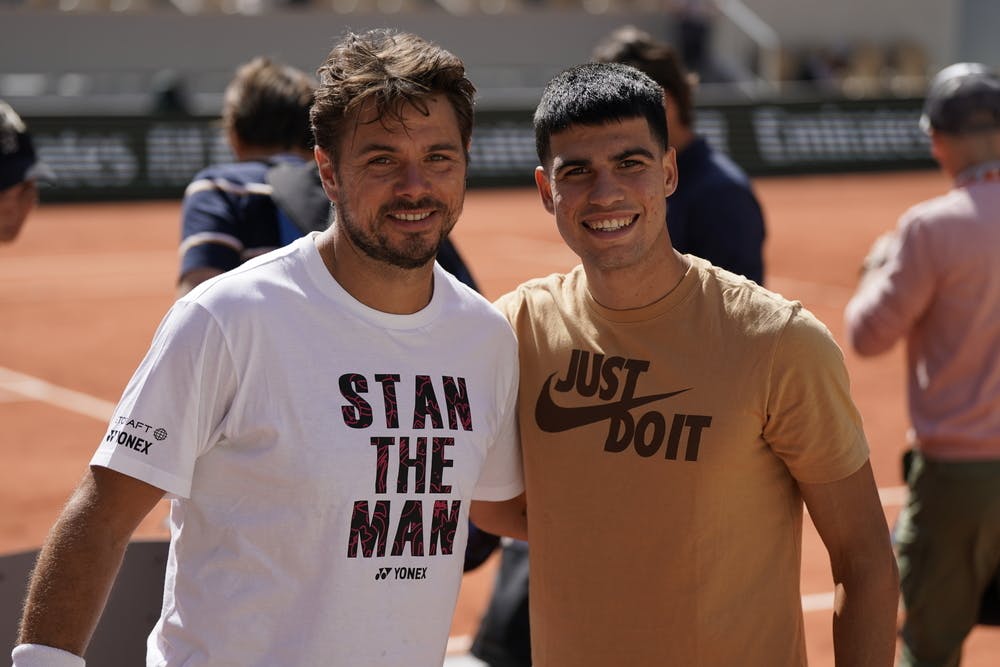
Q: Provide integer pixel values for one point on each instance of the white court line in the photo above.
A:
(46, 392)
(817, 602)
(892, 496)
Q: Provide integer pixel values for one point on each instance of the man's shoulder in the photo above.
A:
(243, 284)
(541, 290)
(946, 205)
(461, 301)
(743, 298)
(712, 166)
(722, 172)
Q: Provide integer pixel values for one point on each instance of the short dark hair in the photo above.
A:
(267, 104)
(390, 69)
(658, 59)
(595, 94)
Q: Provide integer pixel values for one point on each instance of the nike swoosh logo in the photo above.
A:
(553, 418)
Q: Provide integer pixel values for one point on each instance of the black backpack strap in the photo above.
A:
(297, 191)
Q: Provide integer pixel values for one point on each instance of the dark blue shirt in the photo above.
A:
(228, 216)
(714, 213)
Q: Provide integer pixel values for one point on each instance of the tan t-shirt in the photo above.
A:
(662, 447)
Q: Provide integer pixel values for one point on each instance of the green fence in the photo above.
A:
(122, 157)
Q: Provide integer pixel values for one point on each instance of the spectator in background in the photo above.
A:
(20, 173)
(714, 213)
(693, 29)
(228, 214)
(170, 96)
(935, 282)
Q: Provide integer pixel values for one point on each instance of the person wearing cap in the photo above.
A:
(20, 172)
(934, 282)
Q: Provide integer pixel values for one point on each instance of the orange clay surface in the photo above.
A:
(83, 288)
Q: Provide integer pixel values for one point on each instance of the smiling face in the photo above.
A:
(607, 186)
(398, 187)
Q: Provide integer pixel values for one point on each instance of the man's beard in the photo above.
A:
(415, 251)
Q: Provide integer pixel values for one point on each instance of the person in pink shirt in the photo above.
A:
(935, 282)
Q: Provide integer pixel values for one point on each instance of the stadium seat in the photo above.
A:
(132, 609)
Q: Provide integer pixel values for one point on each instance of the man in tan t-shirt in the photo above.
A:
(673, 417)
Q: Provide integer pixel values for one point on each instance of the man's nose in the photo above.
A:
(606, 189)
(412, 181)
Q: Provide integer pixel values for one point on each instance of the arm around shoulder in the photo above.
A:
(81, 557)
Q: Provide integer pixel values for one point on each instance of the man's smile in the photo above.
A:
(610, 224)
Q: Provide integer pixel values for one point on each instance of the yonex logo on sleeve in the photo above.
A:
(134, 434)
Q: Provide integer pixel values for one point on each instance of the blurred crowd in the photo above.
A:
(859, 69)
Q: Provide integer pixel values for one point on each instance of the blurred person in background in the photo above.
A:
(20, 174)
(228, 215)
(692, 22)
(934, 282)
(170, 95)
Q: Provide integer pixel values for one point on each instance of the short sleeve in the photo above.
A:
(812, 422)
(174, 407)
(502, 476)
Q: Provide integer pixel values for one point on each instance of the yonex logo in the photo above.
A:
(401, 573)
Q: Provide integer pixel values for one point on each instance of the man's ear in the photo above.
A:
(670, 171)
(326, 173)
(544, 189)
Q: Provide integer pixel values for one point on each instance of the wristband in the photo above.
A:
(39, 655)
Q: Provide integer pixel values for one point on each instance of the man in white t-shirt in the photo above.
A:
(323, 417)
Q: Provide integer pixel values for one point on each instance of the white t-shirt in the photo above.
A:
(320, 457)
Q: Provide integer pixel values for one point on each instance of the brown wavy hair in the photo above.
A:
(390, 70)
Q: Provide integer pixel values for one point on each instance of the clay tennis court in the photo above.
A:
(83, 289)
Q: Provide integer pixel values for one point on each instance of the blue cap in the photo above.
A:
(18, 161)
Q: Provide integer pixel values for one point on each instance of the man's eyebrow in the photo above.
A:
(444, 146)
(560, 164)
(617, 157)
(630, 152)
(375, 147)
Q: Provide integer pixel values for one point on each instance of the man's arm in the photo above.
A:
(849, 518)
(509, 517)
(81, 557)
